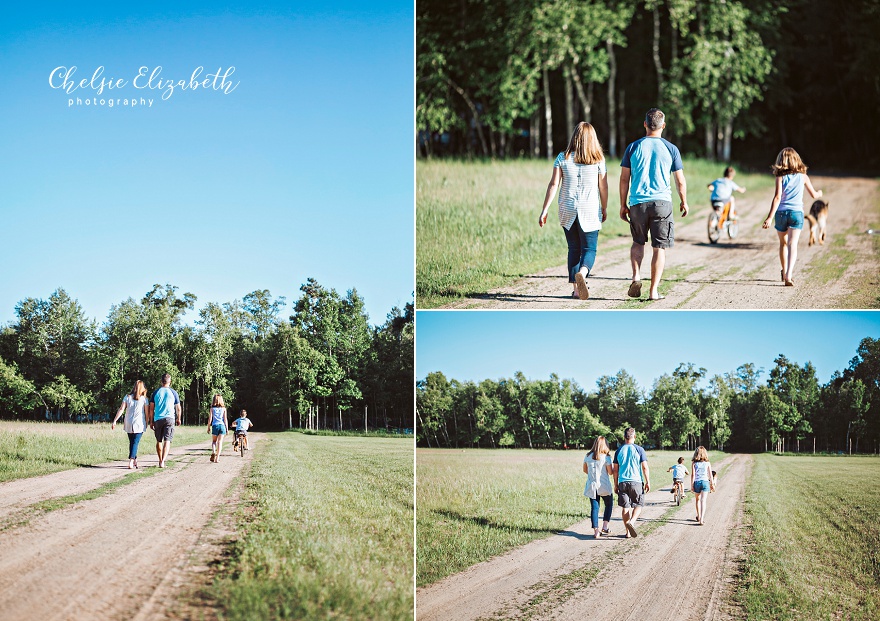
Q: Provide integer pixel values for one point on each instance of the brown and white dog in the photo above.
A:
(818, 217)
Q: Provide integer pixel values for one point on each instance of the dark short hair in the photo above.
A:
(728, 170)
(655, 119)
(629, 433)
(681, 460)
(166, 379)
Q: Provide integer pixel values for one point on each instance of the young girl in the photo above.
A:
(218, 427)
(791, 179)
(583, 202)
(134, 405)
(701, 481)
(597, 466)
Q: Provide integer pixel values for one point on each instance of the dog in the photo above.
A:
(818, 217)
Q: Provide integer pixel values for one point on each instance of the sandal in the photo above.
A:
(635, 289)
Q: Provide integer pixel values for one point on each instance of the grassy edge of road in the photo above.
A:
(476, 222)
(812, 540)
(30, 449)
(324, 530)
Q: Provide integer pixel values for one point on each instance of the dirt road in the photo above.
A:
(572, 576)
(732, 274)
(125, 554)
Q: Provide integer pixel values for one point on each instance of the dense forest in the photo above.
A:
(791, 411)
(323, 367)
(737, 78)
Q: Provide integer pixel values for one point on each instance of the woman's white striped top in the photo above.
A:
(579, 194)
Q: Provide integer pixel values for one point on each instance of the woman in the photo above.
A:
(135, 406)
(597, 466)
(701, 481)
(217, 427)
(583, 202)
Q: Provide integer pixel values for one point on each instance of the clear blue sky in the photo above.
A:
(477, 345)
(304, 170)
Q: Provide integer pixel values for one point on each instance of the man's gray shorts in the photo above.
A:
(654, 216)
(629, 494)
(164, 428)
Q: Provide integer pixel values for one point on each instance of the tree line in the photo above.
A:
(324, 367)
(512, 77)
(791, 411)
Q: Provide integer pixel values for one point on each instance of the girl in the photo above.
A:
(135, 406)
(597, 466)
(701, 481)
(217, 427)
(791, 179)
(583, 202)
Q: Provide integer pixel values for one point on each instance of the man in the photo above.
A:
(644, 177)
(164, 408)
(630, 470)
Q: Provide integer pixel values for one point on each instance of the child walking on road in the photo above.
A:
(218, 428)
(701, 481)
(787, 208)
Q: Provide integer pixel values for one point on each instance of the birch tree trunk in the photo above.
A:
(655, 50)
(548, 116)
(612, 112)
(586, 100)
(728, 135)
(569, 98)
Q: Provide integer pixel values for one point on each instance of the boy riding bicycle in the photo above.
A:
(722, 192)
(679, 472)
(241, 424)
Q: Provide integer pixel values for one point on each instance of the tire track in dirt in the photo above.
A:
(105, 558)
(546, 579)
(732, 274)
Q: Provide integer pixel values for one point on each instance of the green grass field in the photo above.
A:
(328, 531)
(29, 449)
(477, 222)
(474, 504)
(813, 545)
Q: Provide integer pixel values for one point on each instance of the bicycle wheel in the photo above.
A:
(241, 445)
(678, 497)
(712, 227)
(732, 229)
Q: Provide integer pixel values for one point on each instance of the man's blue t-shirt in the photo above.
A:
(722, 189)
(630, 457)
(651, 161)
(164, 400)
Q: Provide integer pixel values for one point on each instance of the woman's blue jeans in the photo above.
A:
(133, 440)
(581, 249)
(594, 509)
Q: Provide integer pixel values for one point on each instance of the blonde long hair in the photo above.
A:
(600, 447)
(138, 391)
(700, 454)
(218, 402)
(585, 145)
(788, 162)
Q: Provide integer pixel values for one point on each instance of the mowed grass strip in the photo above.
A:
(326, 531)
(477, 222)
(29, 449)
(813, 546)
(474, 504)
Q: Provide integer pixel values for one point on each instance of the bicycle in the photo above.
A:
(679, 493)
(720, 220)
(240, 443)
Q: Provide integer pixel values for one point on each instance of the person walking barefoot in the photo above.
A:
(702, 482)
(631, 480)
(218, 426)
(787, 208)
(646, 199)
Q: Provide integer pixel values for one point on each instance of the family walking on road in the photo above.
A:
(627, 474)
(163, 411)
(647, 169)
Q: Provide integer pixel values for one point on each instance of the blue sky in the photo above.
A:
(477, 345)
(304, 170)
